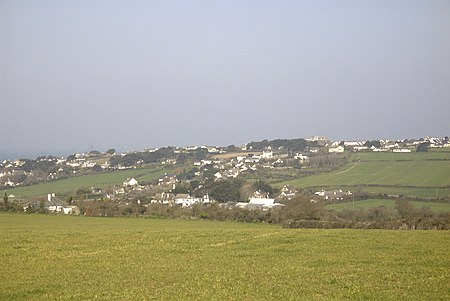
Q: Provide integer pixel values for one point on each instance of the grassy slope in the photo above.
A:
(409, 173)
(77, 258)
(99, 180)
(371, 203)
(428, 172)
(389, 156)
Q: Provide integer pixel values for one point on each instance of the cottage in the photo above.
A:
(287, 192)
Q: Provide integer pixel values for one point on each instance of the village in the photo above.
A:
(202, 171)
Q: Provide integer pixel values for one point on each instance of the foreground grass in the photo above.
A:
(78, 258)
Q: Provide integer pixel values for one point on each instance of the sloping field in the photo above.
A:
(407, 173)
(101, 180)
(372, 203)
(411, 191)
(414, 173)
(79, 258)
(390, 156)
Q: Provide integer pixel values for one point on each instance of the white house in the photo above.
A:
(287, 192)
(336, 150)
(64, 209)
(262, 201)
(130, 182)
(267, 154)
(333, 194)
(259, 203)
(10, 183)
(402, 150)
(360, 148)
(185, 200)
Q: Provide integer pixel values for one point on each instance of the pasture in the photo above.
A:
(79, 258)
(390, 156)
(418, 174)
(372, 203)
(100, 180)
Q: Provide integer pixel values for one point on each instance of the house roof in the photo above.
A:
(262, 201)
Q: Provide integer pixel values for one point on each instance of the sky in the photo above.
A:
(83, 75)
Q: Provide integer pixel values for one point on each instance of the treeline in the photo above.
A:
(287, 144)
(157, 156)
(225, 191)
(299, 212)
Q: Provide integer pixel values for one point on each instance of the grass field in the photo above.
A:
(79, 258)
(390, 156)
(418, 174)
(371, 203)
(101, 180)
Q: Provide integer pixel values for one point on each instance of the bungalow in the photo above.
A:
(259, 203)
(360, 148)
(401, 150)
(333, 194)
(64, 209)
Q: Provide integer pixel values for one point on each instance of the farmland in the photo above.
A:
(79, 258)
(101, 180)
(371, 203)
(420, 174)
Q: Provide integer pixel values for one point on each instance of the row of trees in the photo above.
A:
(299, 212)
(287, 144)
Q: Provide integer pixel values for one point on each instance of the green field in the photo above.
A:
(79, 258)
(418, 174)
(390, 156)
(100, 180)
(371, 203)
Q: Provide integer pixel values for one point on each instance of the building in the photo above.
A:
(336, 150)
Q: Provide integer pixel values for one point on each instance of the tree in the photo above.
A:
(226, 190)
(374, 143)
(111, 151)
(405, 208)
(263, 187)
(423, 147)
(302, 207)
(232, 149)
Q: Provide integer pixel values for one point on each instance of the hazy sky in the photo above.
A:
(134, 74)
